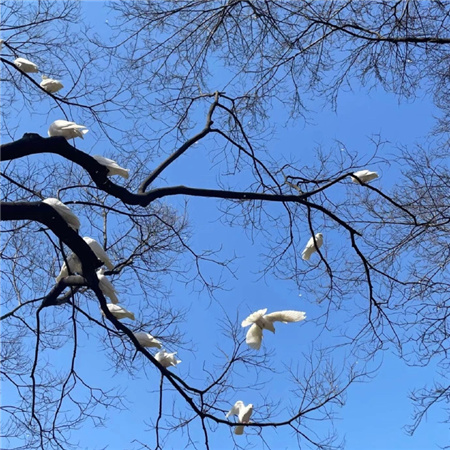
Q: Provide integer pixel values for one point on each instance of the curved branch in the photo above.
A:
(45, 214)
(183, 148)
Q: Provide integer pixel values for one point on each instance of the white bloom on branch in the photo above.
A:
(260, 321)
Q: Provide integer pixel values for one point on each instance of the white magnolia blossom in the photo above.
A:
(260, 321)
(69, 130)
(25, 66)
(312, 247)
(112, 166)
(167, 359)
(147, 340)
(364, 175)
(243, 412)
(50, 85)
(64, 211)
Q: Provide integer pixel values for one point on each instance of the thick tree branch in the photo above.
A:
(34, 144)
(183, 148)
(45, 214)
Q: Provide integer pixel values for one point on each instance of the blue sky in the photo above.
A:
(376, 411)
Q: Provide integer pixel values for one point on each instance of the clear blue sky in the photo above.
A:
(375, 412)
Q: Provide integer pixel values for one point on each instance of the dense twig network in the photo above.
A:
(371, 255)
